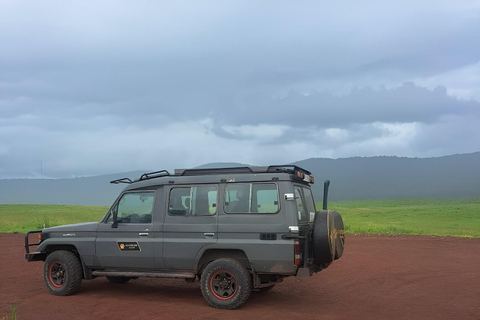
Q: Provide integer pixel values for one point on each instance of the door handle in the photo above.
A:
(143, 234)
(209, 234)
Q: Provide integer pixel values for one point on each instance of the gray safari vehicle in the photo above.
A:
(235, 229)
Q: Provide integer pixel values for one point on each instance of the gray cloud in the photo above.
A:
(117, 86)
(407, 103)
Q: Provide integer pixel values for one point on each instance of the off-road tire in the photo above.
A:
(118, 280)
(328, 237)
(63, 273)
(339, 236)
(226, 284)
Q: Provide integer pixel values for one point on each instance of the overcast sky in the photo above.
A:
(96, 87)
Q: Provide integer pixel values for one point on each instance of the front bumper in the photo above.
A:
(32, 256)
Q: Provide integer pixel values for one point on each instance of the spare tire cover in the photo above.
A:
(328, 237)
(338, 233)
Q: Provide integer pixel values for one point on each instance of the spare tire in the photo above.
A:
(328, 237)
(338, 233)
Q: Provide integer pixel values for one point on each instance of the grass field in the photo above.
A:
(441, 217)
(26, 217)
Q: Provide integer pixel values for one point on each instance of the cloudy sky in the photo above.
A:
(95, 87)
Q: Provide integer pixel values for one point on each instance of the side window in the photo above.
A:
(251, 198)
(302, 215)
(237, 198)
(135, 207)
(310, 203)
(193, 201)
(265, 197)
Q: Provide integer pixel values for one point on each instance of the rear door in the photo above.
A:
(131, 244)
(305, 204)
(190, 224)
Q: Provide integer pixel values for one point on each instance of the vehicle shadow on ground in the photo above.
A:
(144, 289)
(178, 291)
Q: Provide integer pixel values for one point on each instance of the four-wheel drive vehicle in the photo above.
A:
(236, 229)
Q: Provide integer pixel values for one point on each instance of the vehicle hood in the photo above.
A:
(77, 227)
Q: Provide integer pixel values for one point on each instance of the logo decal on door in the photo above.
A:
(128, 246)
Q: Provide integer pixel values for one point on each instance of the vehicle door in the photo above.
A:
(190, 224)
(258, 226)
(130, 244)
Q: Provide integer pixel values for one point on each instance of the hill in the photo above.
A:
(76, 191)
(357, 178)
(456, 176)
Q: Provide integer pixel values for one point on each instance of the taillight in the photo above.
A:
(298, 253)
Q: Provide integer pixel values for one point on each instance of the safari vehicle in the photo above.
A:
(235, 229)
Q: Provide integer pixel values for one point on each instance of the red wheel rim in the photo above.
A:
(223, 285)
(57, 274)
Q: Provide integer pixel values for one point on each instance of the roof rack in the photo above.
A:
(145, 176)
(153, 175)
(289, 168)
(266, 169)
(123, 180)
(195, 172)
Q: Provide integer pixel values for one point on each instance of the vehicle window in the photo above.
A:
(302, 215)
(310, 203)
(193, 201)
(265, 197)
(251, 198)
(135, 207)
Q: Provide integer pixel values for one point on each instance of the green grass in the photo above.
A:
(25, 217)
(13, 312)
(439, 217)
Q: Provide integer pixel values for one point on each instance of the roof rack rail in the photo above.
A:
(153, 175)
(200, 171)
(123, 180)
(287, 168)
(267, 169)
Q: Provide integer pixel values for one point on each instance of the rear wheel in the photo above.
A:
(62, 273)
(226, 284)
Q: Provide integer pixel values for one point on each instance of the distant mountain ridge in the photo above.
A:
(91, 191)
(357, 178)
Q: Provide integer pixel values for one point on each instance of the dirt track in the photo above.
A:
(379, 277)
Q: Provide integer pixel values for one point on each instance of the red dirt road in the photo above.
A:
(379, 277)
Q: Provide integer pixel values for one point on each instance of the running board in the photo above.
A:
(185, 275)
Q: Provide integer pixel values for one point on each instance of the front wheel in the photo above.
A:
(62, 273)
(226, 284)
